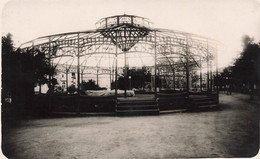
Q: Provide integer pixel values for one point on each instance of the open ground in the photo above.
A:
(232, 131)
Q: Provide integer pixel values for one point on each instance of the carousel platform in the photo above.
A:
(146, 104)
(141, 104)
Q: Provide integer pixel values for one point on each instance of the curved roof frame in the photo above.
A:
(93, 42)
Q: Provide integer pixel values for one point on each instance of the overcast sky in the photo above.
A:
(223, 20)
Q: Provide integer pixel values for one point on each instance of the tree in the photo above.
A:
(138, 78)
(246, 40)
(245, 70)
(71, 89)
(246, 67)
(21, 71)
(90, 85)
(7, 44)
(194, 77)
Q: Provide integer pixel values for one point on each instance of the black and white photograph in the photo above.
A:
(130, 79)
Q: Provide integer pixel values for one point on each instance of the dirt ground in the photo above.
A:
(229, 132)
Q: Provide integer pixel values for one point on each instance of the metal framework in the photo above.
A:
(180, 58)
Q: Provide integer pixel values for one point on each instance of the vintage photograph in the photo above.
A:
(124, 79)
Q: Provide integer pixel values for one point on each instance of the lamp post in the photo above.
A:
(130, 82)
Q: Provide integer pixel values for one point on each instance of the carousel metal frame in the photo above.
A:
(176, 54)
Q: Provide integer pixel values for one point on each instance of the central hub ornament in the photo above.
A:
(124, 30)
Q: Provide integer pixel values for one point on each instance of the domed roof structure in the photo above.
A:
(118, 39)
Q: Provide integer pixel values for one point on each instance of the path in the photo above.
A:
(230, 132)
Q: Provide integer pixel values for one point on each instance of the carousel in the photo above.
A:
(180, 68)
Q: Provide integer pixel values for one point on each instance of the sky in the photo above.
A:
(224, 20)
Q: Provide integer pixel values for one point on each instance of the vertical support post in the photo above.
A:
(67, 84)
(125, 83)
(113, 73)
(110, 68)
(82, 75)
(217, 73)
(155, 67)
(173, 70)
(187, 67)
(116, 70)
(129, 82)
(125, 71)
(210, 67)
(217, 63)
(151, 79)
(164, 82)
(52, 64)
(200, 73)
(207, 66)
(97, 75)
(49, 82)
(78, 66)
(159, 78)
(110, 79)
(78, 77)
(173, 78)
(33, 65)
(49, 58)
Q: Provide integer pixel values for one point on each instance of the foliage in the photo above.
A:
(245, 70)
(21, 71)
(72, 89)
(7, 44)
(246, 67)
(90, 85)
(194, 77)
(139, 77)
